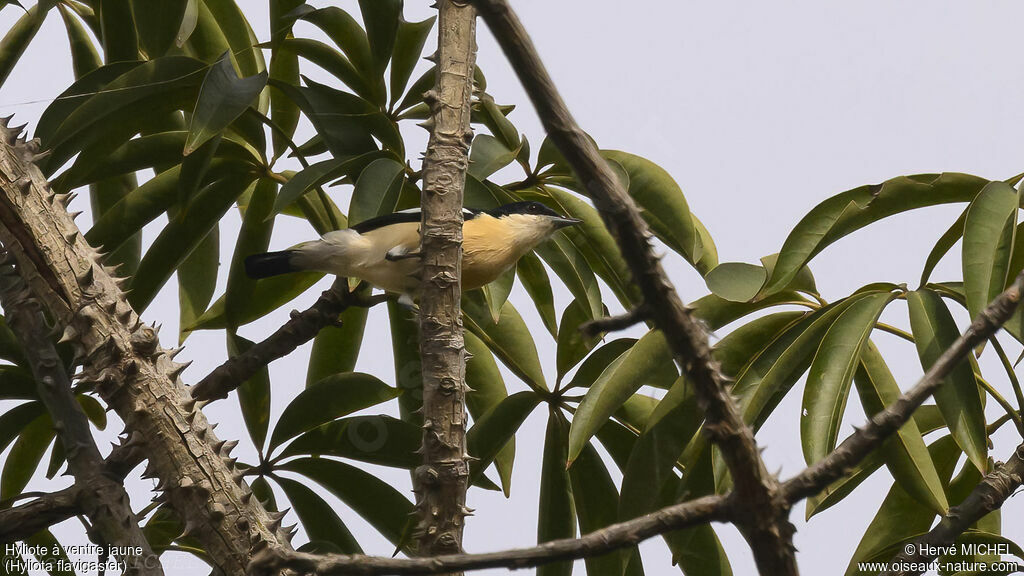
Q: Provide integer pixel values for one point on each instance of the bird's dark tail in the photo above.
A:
(269, 264)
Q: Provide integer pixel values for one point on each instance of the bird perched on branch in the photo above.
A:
(384, 251)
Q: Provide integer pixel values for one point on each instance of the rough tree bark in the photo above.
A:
(123, 359)
(102, 499)
(442, 480)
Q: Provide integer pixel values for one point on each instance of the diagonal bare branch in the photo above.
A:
(607, 539)
(815, 478)
(301, 328)
(766, 527)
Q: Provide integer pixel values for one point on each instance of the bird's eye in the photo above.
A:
(534, 208)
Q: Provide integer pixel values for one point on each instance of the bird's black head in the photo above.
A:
(532, 208)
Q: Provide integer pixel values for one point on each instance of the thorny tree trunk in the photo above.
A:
(442, 480)
(102, 499)
(122, 358)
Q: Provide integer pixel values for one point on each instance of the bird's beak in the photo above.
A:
(562, 222)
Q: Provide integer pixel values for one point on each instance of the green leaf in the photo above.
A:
(162, 528)
(375, 439)
(25, 455)
(650, 467)
(253, 394)
(74, 96)
(831, 374)
(905, 452)
(334, 63)
(264, 493)
(17, 39)
(487, 390)
(594, 241)
(405, 346)
(84, 56)
(347, 122)
(13, 421)
(137, 99)
(136, 209)
(268, 295)
(596, 500)
(222, 98)
(496, 293)
(327, 400)
(180, 237)
(376, 192)
(335, 349)
(197, 279)
(742, 282)
(717, 312)
(662, 204)
(988, 240)
(284, 67)
(509, 338)
(16, 383)
(374, 500)
(852, 210)
(158, 24)
(901, 518)
(240, 37)
(572, 346)
(494, 117)
(570, 265)
(321, 173)
(556, 517)
(649, 361)
(598, 362)
(835, 492)
(740, 347)
(94, 411)
(534, 278)
(950, 237)
(493, 431)
(488, 155)
(320, 521)
(697, 550)
(766, 380)
(253, 238)
(381, 18)
(958, 397)
(736, 281)
(409, 41)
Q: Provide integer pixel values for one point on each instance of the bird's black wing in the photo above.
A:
(410, 215)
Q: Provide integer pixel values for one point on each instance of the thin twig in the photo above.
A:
(607, 539)
(301, 328)
(613, 323)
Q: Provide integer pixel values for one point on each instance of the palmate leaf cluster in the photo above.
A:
(186, 90)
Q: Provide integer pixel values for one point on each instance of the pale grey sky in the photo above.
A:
(759, 111)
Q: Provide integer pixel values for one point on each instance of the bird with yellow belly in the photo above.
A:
(383, 251)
